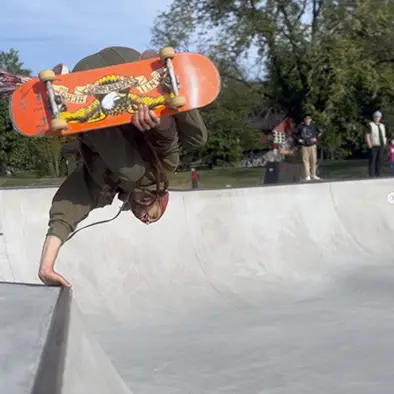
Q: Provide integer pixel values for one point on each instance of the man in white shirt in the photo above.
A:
(376, 140)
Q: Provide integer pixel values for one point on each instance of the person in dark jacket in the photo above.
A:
(306, 134)
(131, 162)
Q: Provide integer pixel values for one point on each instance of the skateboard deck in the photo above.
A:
(52, 105)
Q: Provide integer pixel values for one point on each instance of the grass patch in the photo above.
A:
(348, 169)
(26, 181)
(222, 177)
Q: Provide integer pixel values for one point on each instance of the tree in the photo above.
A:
(227, 122)
(330, 58)
(40, 155)
(9, 141)
(10, 62)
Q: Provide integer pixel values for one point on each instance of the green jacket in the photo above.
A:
(117, 160)
(113, 163)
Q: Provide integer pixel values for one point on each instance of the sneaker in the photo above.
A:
(307, 178)
(316, 178)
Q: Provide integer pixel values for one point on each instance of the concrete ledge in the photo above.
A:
(49, 377)
(33, 337)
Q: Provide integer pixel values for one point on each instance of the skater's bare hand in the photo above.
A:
(52, 278)
(145, 119)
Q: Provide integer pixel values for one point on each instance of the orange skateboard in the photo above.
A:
(89, 100)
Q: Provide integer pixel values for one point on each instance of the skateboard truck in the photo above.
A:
(47, 76)
(166, 54)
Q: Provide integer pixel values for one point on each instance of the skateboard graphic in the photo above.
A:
(52, 105)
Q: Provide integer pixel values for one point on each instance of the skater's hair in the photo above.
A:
(161, 175)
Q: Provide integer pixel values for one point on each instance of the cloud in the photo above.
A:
(47, 32)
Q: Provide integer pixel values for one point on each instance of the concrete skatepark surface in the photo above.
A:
(283, 289)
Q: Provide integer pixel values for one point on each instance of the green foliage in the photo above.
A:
(333, 59)
(16, 151)
(10, 62)
(42, 156)
(227, 121)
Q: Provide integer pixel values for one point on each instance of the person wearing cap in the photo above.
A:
(131, 162)
(376, 141)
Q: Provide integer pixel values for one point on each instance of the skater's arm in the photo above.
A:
(186, 129)
(72, 203)
(192, 130)
(50, 251)
(46, 272)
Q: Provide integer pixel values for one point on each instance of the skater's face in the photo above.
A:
(151, 215)
(147, 214)
(376, 119)
(148, 207)
(307, 120)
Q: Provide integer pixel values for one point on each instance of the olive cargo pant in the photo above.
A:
(309, 157)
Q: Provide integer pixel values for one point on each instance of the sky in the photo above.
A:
(48, 32)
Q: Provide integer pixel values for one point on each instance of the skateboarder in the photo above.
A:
(130, 162)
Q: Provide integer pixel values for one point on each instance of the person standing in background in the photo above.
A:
(391, 156)
(376, 140)
(195, 179)
(306, 135)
